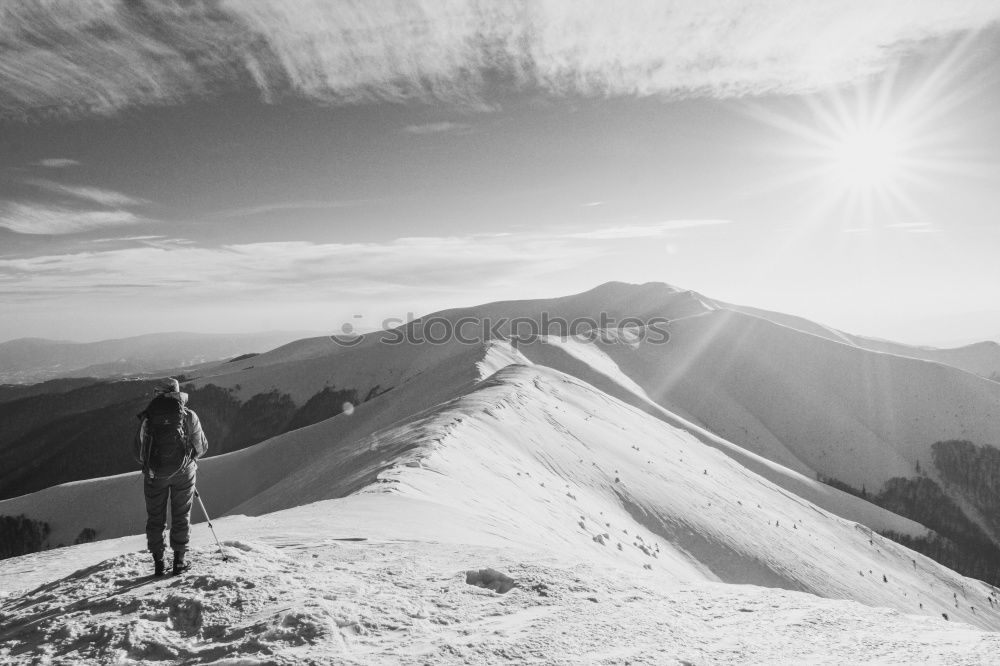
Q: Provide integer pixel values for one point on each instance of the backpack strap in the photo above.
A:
(185, 415)
(142, 443)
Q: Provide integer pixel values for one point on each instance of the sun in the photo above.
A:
(875, 153)
(856, 152)
(867, 158)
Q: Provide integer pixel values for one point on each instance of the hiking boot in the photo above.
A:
(180, 565)
(158, 567)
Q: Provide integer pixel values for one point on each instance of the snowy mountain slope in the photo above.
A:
(587, 361)
(810, 404)
(600, 458)
(616, 299)
(402, 601)
(305, 367)
(703, 344)
(575, 467)
(347, 449)
(980, 358)
(296, 350)
(427, 375)
(540, 459)
(620, 300)
(920, 437)
(372, 368)
(823, 413)
(518, 476)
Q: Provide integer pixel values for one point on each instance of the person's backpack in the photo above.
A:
(165, 430)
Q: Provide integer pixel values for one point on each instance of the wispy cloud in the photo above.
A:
(251, 211)
(53, 220)
(124, 242)
(914, 227)
(104, 56)
(72, 209)
(646, 230)
(93, 195)
(128, 239)
(438, 128)
(296, 268)
(904, 227)
(57, 163)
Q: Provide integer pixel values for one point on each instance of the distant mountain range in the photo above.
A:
(31, 360)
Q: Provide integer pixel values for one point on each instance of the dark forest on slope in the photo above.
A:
(88, 432)
(972, 472)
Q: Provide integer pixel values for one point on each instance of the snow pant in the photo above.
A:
(179, 490)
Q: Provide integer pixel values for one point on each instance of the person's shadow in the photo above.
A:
(43, 595)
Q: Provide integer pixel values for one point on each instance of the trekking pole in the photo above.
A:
(209, 521)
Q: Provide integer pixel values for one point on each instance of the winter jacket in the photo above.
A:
(195, 442)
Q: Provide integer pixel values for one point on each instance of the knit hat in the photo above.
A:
(168, 385)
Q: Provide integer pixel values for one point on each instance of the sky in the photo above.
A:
(234, 166)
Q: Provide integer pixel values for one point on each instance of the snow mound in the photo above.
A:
(116, 611)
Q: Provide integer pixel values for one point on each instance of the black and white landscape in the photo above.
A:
(617, 482)
(555, 332)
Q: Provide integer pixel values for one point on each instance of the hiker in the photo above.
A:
(168, 443)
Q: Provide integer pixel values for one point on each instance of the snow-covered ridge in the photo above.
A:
(540, 458)
(598, 514)
(778, 400)
(594, 364)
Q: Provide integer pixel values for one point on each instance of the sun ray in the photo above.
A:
(866, 156)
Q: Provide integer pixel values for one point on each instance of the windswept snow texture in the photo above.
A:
(814, 406)
(321, 601)
(557, 501)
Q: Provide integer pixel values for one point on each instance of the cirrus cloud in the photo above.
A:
(445, 127)
(57, 163)
(291, 269)
(93, 195)
(102, 56)
(36, 219)
(647, 230)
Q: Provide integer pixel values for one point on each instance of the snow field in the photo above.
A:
(409, 602)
